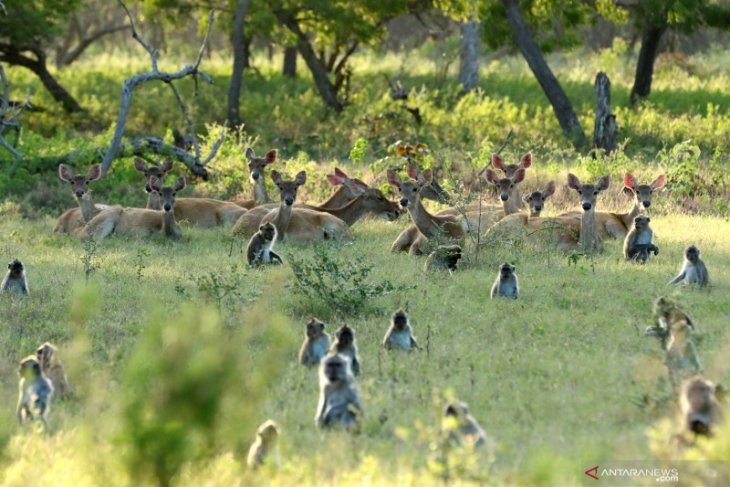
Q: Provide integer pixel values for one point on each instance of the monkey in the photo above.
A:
(400, 333)
(35, 392)
(681, 354)
(53, 369)
(260, 247)
(667, 315)
(345, 344)
(461, 426)
(15, 280)
(316, 343)
(638, 243)
(693, 269)
(339, 400)
(506, 283)
(699, 404)
(445, 257)
(266, 438)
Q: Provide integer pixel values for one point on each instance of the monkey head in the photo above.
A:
(698, 399)
(16, 269)
(29, 368)
(345, 335)
(457, 409)
(268, 231)
(315, 328)
(46, 355)
(692, 254)
(506, 270)
(400, 319)
(641, 222)
(268, 432)
(335, 368)
(451, 254)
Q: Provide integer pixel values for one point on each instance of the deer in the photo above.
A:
(256, 166)
(490, 213)
(139, 222)
(158, 171)
(617, 225)
(536, 202)
(294, 224)
(72, 221)
(590, 240)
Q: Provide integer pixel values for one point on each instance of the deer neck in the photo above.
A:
(339, 199)
(628, 218)
(513, 203)
(259, 191)
(153, 201)
(169, 226)
(350, 213)
(534, 214)
(87, 206)
(588, 236)
(424, 221)
(283, 218)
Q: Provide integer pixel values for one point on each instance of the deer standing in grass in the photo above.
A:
(256, 166)
(72, 221)
(140, 222)
(617, 225)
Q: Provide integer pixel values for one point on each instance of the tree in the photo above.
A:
(240, 60)
(25, 33)
(469, 55)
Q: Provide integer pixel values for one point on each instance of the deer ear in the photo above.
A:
(271, 156)
(603, 183)
(573, 181)
(658, 182)
(519, 176)
(353, 187)
(94, 173)
(629, 181)
(275, 176)
(65, 173)
(301, 178)
(250, 154)
(549, 189)
(426, 176)
(394, 179)
(490, 176)
(497, 161)
(526, 160)
(180, 184)
(339, 173)
(139, 165)
(167, 165)
(334, 180)
(155, 183)
(412, 171)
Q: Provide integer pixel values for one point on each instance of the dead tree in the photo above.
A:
(604, 129)
(197, 164)
(9, 115)
(469, 55)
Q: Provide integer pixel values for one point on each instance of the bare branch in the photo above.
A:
(9, 117)
(216, 145)
(500, 149)
(85, 42)
(186, 115)
(2, 7)
(151, 50)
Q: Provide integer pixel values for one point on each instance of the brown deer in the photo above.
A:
(139, 222)
(617, 225)
(72, 221)
(293, 224)
(536, 200)
(159, 172)
(590, 240)
(256, 166)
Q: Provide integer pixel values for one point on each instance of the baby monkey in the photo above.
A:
(316, 343)
(339, 400)
(445, 258)
(638, 243)
(699, 403)
(260, 247)
(506, 283)
(668, 316)
(693, 269)
(35, 391)
(462, 428)
(53, 369)
(345, 344)
(682, 358)
(400, 333)
(15, 281)
(266, 438)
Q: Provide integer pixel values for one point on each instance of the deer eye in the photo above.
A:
(414, 190)
(512, 185)
(579, 191)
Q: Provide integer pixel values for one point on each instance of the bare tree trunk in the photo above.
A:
(469, 55)
(645, 64)
(290, 62)
(604, 129)
(39, 68)
(327, 90)
(562, 107)
(238, 42)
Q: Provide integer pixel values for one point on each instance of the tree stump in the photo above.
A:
(604, 129)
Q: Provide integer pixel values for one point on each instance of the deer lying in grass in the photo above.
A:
(139, 222)
(536, 201)
(617, 225)
(256, 166)
(72, 221)
(294, 224)
(490, 213)
(159, 172)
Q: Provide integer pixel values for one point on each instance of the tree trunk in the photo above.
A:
(327, 90)
(550, 86)
(39, 68)
(469, 56)
(645, 64)
(290, 62)
(604, 129)
(238, 42)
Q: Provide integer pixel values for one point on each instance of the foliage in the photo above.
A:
(31, 24)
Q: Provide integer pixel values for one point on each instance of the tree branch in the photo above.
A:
(85, 42)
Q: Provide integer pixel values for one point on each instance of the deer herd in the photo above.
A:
(440, 235)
